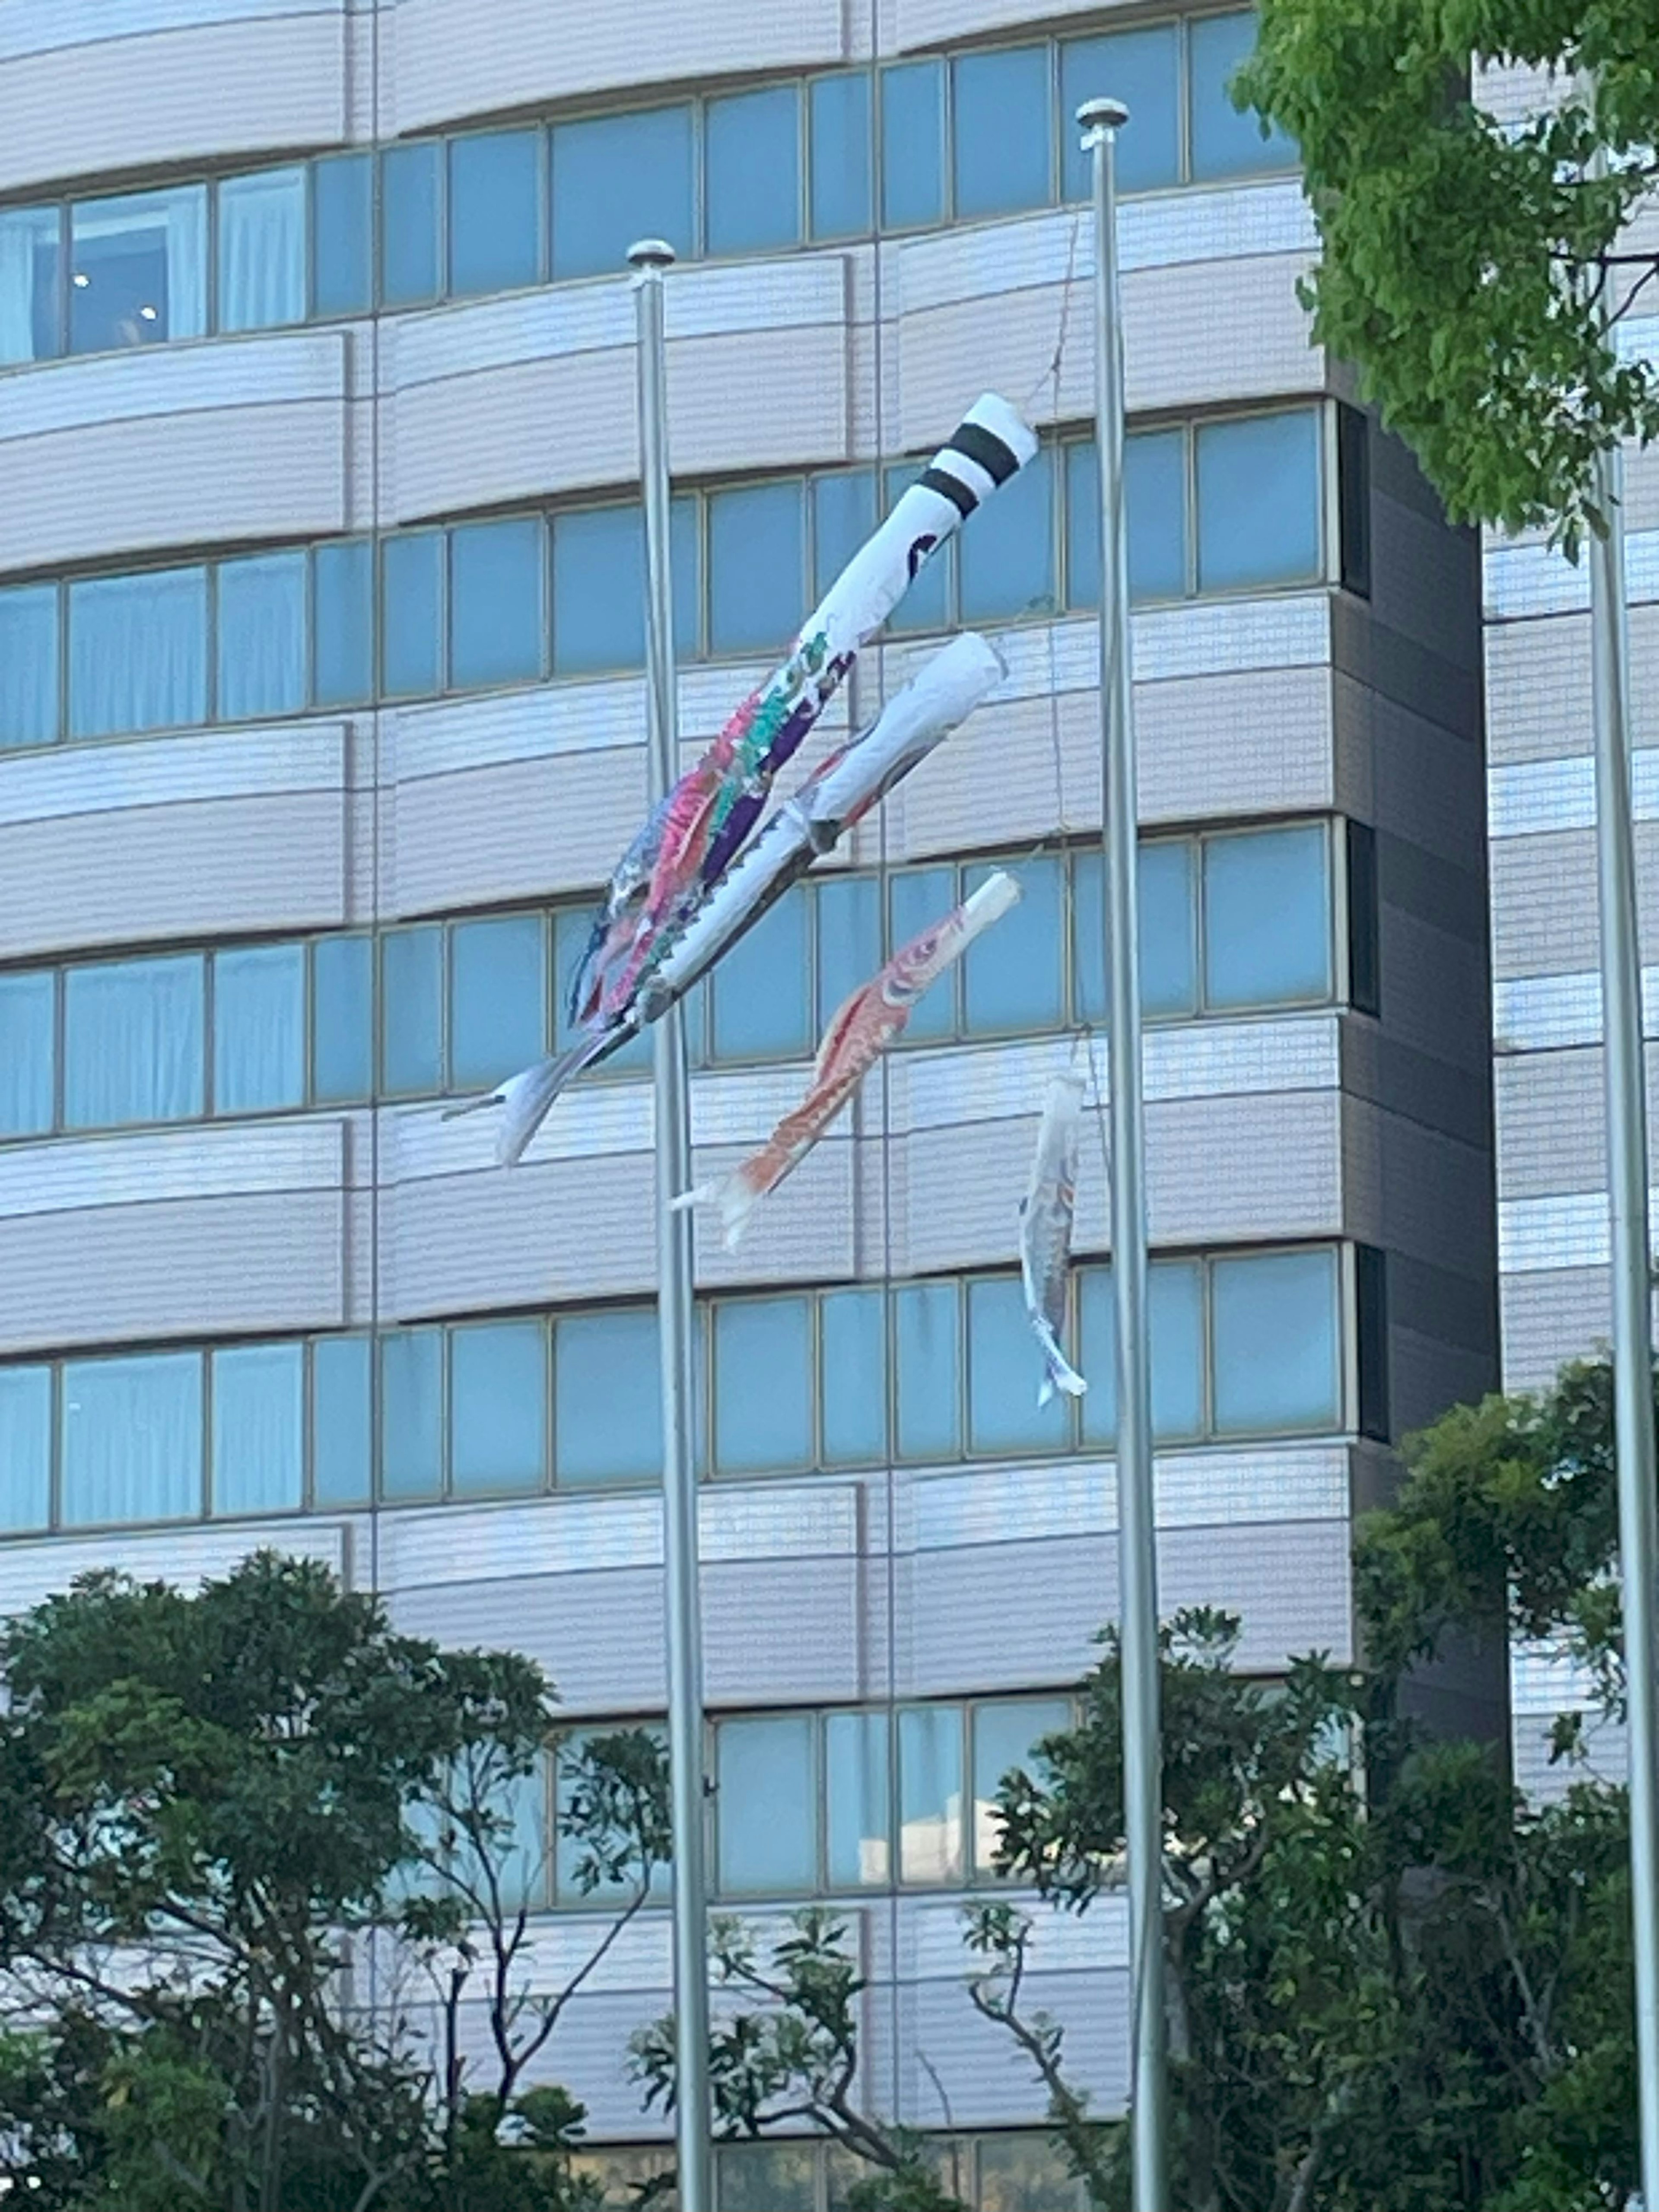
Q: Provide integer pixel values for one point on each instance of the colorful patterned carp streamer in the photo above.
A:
(861, 1029)
(837, 794)
(1045, 1232)
(699, 830)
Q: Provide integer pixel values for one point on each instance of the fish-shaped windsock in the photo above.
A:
(1045, 1232)
(943, 693)
(861, 1029)
(696, 832)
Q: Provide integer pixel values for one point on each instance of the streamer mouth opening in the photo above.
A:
(989, 902)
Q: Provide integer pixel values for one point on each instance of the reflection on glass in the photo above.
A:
(767, 2177)
(26, 1446)
(27, 1053)
(1258, 501)
(1141, 68)
(930, 1794)
(28, 665)
(498, 999)
(852, 1326)
(131, 1439)
(1268, 917)
(258, 1029)
(840, 155)
(498, 1406)
(1276, 1342)
(855, 1782)
(30, 300)
(766, 1806)
(1004, 131)
(751, 171)
(411, 963)
(1005, 1735)
(1027, 2173)
(412, 1413)
(262, 637)
(605, 1427)
(133, 1038)
(762, 1385)
(929, 1370)
(258, 1429)
(342, 1421)
(137, 268)
(496, 616)
(618, 178)
(495, 211)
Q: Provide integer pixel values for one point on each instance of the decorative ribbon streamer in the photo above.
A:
(861, 1029)
(942, 695)
(1046, 1213)
(695, 832)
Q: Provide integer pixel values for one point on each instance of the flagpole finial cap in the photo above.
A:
(651, 253)
(1101, 115)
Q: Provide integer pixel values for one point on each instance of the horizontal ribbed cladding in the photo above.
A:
(126, 85)
(236, 442)
(454, 58)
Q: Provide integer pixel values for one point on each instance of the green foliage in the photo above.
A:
(213, 1808)
(1467, 261)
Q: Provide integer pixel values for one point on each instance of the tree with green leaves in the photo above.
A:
(1475, 262)
(237, 1828)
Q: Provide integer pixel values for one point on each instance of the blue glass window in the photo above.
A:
(1169, 931)
(31, 301)
(341, 1419)
(1007, 1733)
(133, 1042)
(412, 1413)
(918, 898)
(26, 1446)
(841, 169)
(843, 516)
(410, 183)
(497, 618)
(496, 201)
(498, 999)
(751, 170)
(766, 1802)
(1005, 1372)
(856, 1794)
(411, 617)
(1155, 497)
(1004, 131)
(342, 1019)
(1276, 1342)
(598, 587)
(853, 1333)
(1142, 70)
(258, 1429)
(930, 1794)
(1175, 1312)
(762, 1385)
(1268, 917)
(1006, 563)
(262, 637)
(258, 1029)
(28, 665)
(849, 940)
(131, 1439)
(137, 652)
(27, 1053)
(912, 145)
(262, 249)
(1226, 143)
(607, 1421)
(138, 264)
(342, 227)
(498, 1406)
(757, 563)
(618, 178)
(344, 622)
(411, 984)
(761, 992)
(929, 1370)
(1014, 975)
(1258, 501)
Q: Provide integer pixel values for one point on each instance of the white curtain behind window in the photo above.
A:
(138, 651)
(180, 215)
(262, 250)
(27, 1002)
(258, 1418)
(28, 665)
(132, 1439)
(24, 234)
(258, 1029)
(25, 1446)
(132, 1043)
(262, 637)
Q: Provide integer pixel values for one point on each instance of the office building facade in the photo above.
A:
(320, 722)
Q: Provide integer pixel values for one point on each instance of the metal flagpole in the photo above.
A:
(671, 1099)
(1627, 1203)
(1100, 120)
